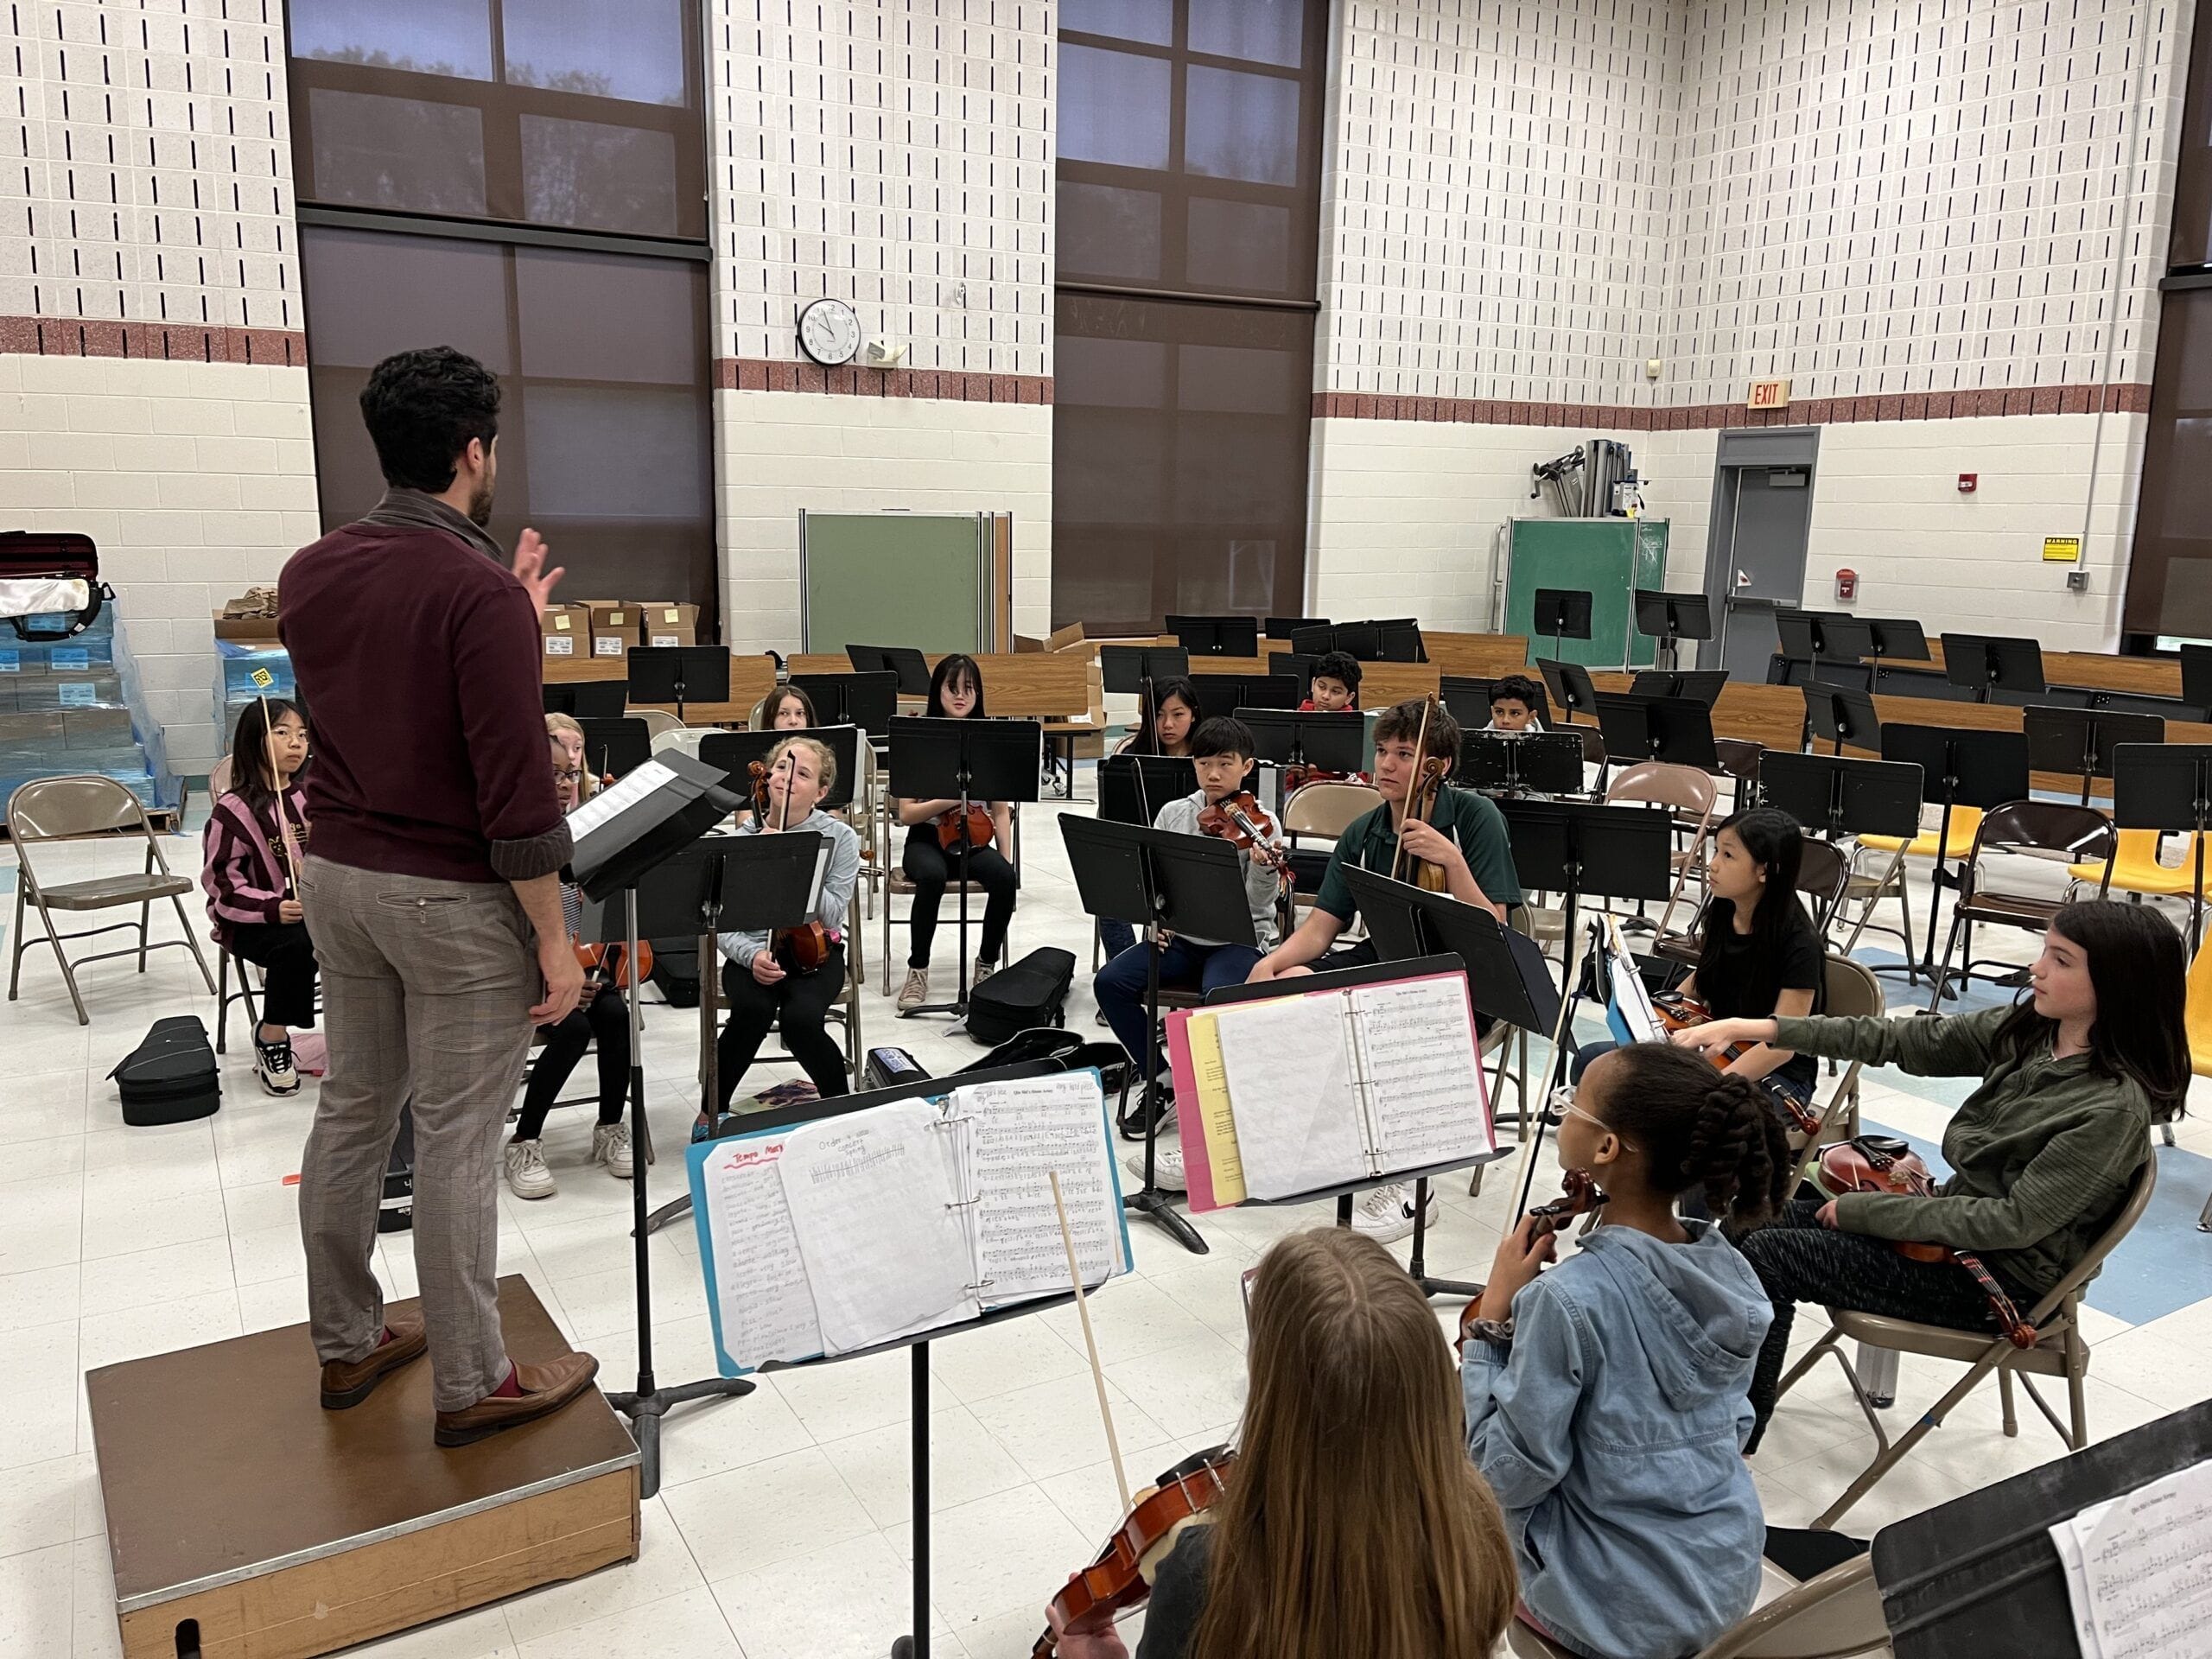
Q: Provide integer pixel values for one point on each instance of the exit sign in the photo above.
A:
(1769, 394)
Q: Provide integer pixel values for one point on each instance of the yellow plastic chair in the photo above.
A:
(2136, 867)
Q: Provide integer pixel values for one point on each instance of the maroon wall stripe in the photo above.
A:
(168, 341)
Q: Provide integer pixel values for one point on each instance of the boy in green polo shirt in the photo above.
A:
(1465, 834)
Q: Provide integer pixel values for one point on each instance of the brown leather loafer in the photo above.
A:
(546, 1390)
(348, 1385)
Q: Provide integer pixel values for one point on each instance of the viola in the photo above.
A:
(1420, 803)
(973, 830)
(1579, 1195)
(1677, 1011)
(1245, 825)
(1883, 1163)
(1120, 1580)
(802, 948)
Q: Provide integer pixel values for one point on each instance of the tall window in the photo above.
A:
(523, 179)
(1188, 217)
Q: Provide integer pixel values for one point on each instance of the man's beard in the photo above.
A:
(479, 503)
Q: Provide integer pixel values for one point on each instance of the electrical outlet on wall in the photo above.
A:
(2077, 581)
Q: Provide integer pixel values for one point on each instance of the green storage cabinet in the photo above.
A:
(895, 579)
(1609, 557)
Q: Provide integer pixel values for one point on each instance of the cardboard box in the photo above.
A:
(26, 730)
(614, 629)
(260, 630)
(566, 630)
(95, 728)
(671, 624)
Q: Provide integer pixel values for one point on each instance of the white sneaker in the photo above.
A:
(527, 1176)
(272, 1064)
(1167, 1168)
(610, 1145)
(983, 971)
(915, 991)
(1386, 1215)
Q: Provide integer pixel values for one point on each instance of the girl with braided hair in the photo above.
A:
(1605, 1398)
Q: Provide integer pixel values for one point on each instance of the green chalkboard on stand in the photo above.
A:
(920, 579)
(1609, 558)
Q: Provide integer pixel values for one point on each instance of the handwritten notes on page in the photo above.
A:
(880, 1221)
(1424, 1079)
(1298, 1119)
(1017, 1134)
(767, 1311)
(2135, 1569)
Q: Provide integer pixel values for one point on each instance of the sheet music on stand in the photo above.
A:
(854, 1232)
(2135, 1569)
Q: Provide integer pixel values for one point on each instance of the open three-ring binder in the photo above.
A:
(851, 1231)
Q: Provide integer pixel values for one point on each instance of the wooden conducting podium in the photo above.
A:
(246, 1519)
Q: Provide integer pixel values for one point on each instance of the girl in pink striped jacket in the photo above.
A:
(255, 838)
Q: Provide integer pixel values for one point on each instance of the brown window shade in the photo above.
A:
(604, 426)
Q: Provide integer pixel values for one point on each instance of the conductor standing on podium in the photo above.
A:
(433, 892)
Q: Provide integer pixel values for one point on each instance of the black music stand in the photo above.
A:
(865, 700)
(2081, 740)
(1306, 737)
(733, 751)
(1129, 670)
(1517, 763)
(1217, 636)
(867, 659)
(1982, 664)
(1399, 641)
(1959, 766)
(1704, 685)
(612, 747)
(587, 699)
(645, 847)
(1299, 668)
(679, 674)
(1132, 788)
(1802, 634)
(1225, 693)
(1677, 730)
(1468, 698)
(1284, 627)
(1313, 638)
(1584, 849)
(2165, 787)
(1153, 879)
(1563, 613)
(966, 760)
(1838, 795)
(1839, 715)
(2197, 679)
(1570, 685)
(1979, 1576)
(1670, 618)
(1360, 640)
(1898, 639)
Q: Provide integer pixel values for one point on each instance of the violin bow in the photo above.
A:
(1412, 789)
(1091, 1343)
(276, 794)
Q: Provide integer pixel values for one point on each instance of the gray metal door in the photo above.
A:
(1762, 515)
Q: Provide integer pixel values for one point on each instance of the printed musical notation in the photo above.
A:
(1023, 1133)
(1424, 1081)
(2135, 1569)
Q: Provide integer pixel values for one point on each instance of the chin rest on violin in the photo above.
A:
(1121, 1580)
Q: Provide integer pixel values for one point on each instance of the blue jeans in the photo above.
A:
(1120, 984)
(1115, 937)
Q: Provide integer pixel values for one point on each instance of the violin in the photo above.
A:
(1420, 803)
(610, 964)
(802, 948)
(1579, 1195)
(1120, 1580)
(1883, 1163)
(1677, 1011)
(973, 830)
(1245, 825)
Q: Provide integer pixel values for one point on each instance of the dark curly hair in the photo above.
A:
(421, 408)
(1700, 1128)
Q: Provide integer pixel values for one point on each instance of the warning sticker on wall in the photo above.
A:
(2062, 550)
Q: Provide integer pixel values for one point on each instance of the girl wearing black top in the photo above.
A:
(1164, 727)
(956, 693)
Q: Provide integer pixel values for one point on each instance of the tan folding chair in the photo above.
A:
(2032, 832)
(1691, 795)
(86, 808)
(1324, 810)
(1835, 1616)
(1849, 990)
(659, 723)
(2060, 1351)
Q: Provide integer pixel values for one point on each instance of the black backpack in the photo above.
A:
(676, 972)
(171, 1077)
(1021, 996)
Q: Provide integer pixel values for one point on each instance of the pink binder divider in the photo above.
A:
(1197, 1168)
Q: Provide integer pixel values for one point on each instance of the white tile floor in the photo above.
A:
(783, 1528)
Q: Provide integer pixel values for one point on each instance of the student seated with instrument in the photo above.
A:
(1222, 751)
(255, 835)
(2044, 1153)
(1348, 1524)
(601, 1016)
(798, 973)
(1513, 704)
(940, 847)
(786, 708)
(1164, 727)
(1451, 841)
(1605, 1398)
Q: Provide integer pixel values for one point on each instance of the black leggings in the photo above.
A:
(929, 867)
(1799, 1260)
(606, 1020)
(803, 1001)
(286, 956)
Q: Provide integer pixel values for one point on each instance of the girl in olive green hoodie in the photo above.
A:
(2044, 1153)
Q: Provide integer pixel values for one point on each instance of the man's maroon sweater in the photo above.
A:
(417, 658)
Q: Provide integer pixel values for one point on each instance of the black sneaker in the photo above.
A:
(272, 1064)
(1155, 1105)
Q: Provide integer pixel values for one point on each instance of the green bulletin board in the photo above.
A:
(1610, 558)
(894, 579)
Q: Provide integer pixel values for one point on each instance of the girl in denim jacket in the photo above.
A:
(1605, 1398)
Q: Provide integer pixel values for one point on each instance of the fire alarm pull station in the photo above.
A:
(1846, 584)
(1968, 482)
